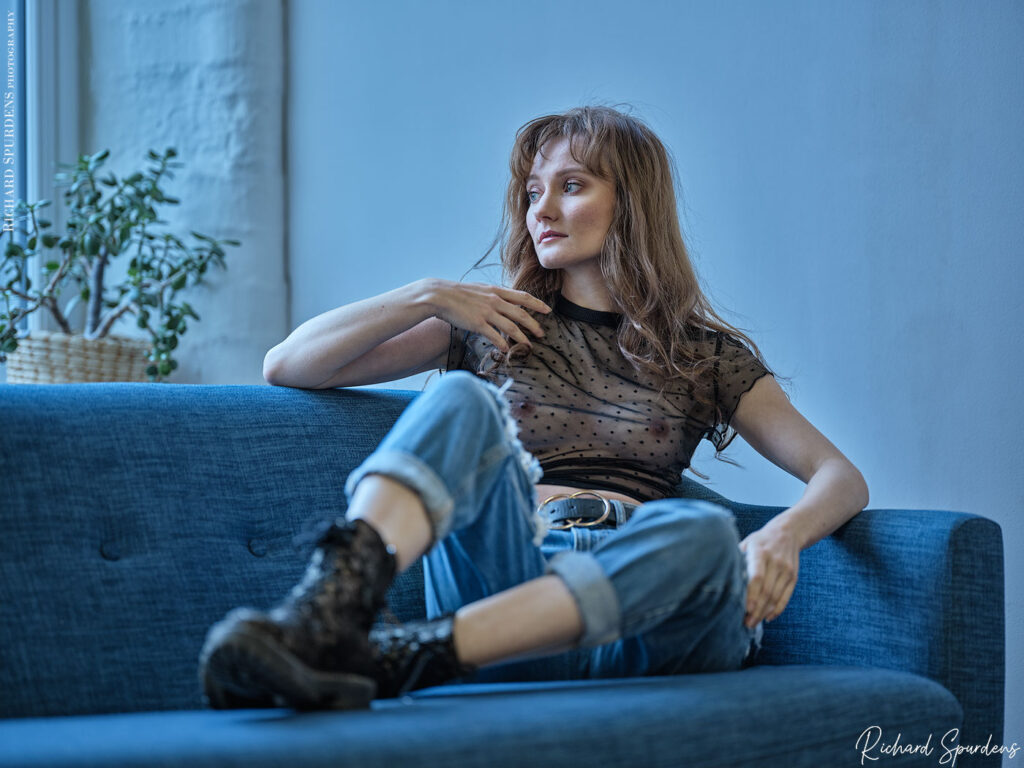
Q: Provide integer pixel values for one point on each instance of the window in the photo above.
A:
(40, 98)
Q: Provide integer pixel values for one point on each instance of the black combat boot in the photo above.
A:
(312, 651)
(417, 654)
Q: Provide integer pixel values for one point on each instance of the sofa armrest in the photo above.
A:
(914, 590)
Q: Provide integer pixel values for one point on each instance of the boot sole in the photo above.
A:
(240, 666)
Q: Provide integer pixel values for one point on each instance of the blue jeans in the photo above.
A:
(664, 593)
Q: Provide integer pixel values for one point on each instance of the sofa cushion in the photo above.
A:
(792, 715)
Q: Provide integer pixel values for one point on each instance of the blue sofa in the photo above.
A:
(135, 515)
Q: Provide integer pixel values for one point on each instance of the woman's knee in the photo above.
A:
(462, 382)
(466, 392)
(710, 526)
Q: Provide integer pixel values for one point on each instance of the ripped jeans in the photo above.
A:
(664, 593)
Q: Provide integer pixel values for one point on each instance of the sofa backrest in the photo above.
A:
(135, 515)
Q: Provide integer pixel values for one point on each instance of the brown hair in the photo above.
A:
(644, 260)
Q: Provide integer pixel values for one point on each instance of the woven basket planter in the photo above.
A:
(60, 358)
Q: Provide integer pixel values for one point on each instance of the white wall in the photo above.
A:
(853, 186)
(206, 77)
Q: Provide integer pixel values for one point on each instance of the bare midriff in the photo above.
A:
(543, 491)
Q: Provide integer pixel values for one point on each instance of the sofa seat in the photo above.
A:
(654, 721)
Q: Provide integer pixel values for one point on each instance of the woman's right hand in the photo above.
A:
(490, 310)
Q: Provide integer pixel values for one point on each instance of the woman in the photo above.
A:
(598, 371)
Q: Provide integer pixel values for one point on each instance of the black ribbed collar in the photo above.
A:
(594, 316)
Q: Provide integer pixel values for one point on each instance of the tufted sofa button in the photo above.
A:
(110, 550)
(257, 547)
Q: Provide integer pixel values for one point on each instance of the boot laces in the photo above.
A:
(306, 590)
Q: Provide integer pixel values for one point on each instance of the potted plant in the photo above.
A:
(98, 230)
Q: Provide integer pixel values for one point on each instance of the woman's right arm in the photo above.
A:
(397, 334)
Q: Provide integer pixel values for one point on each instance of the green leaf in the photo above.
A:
(151, 370)
(172, 152)
(32, 243)
(13, 249)
(179, 283)
(165, 368)
(49, 241)
(99, 158)
(230, 242)
(44, 223)
(52, 266)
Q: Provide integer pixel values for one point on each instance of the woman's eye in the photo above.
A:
(532, 192)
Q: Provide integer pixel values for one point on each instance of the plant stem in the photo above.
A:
(51, 303)
(20, 295)
(96, 294)
(111, 318)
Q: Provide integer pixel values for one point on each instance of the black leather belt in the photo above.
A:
(584, 509)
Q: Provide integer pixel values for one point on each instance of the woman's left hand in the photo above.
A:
(773, 560)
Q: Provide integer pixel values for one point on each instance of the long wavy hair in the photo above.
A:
(644, 260)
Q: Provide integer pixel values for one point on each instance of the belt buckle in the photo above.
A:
(578, 522)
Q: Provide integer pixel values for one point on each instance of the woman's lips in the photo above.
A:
(552, 237)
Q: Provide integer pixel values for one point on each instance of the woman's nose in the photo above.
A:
(545, 207)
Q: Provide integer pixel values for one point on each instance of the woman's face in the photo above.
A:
(567, 199)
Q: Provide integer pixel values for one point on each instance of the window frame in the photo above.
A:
(51, 111)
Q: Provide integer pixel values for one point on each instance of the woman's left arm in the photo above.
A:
(835, 492)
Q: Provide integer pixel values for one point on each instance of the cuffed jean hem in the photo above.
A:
(413, 473)
(594, 594)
